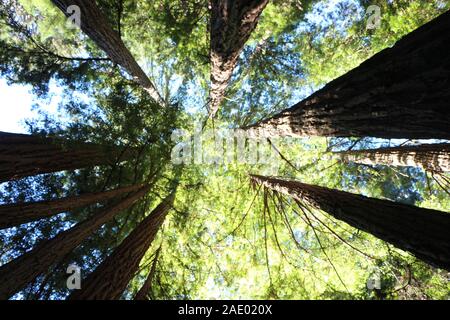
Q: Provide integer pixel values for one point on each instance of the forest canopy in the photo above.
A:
(251, 149)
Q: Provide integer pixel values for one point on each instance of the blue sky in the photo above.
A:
(16, 105)
(16, 102)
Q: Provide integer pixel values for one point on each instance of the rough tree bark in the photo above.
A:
(18, 213)
(146, 288)
(96, 26)
(430, 157)
(111, 277)
(401, 92)
(232, 23)
(16, 274)
(422, 232)
(24, 155)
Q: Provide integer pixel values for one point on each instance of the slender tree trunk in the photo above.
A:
(232, 23)
(96, 26)
(422, 232)
(430, 157)
(24, 155)
(401, 92)
(16, 274)
(147, 286)
(18, 213)
(111, 277)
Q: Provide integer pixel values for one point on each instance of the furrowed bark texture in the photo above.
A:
(96, 27)
(24, 155)
(422, 232)
(111, 277)
(401, 92)
(430, 157)
(16, 274)
(147, 286)
(232, 22)
(18, 213)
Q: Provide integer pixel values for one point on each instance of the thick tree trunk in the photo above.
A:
(232, 23)
(401, 92)
(96, 26)
(18, 213)
(111, 277)
(422, 232)
(430, 157)
(16, 274)
(146, 288)
(24, 155)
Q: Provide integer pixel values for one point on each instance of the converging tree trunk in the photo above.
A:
(96, 26)
(16, 274)
(232, 23)
(422, 232)
(401, 92)
(430, 157)
(146, 288)
(111, 277)
(24, 155)
(18, 213)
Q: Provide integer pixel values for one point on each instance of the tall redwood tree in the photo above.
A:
(18, 213)
(401, 92)
(23, 155)
(111, 277)
(16, 274)
(430, 157)
(95, 24)
(232, 23)
(422, 232)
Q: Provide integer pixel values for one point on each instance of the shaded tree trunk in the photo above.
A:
(146, 288)
(430, 157)
(401, 92)
(232, 23)
(96, 26)
(18, 213)
(110, 279)
(24, 155)
(422, 232)
(16, 274)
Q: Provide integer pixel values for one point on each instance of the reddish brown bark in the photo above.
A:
(18, 213)
(430, 157)
(401, 92)
(111, 277)
(146, 288)
(232, 23)
(24, 155)
(422, 232)
(16, 274)
(96, 26)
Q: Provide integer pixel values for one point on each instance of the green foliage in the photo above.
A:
(342, 41)
(223, 238)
